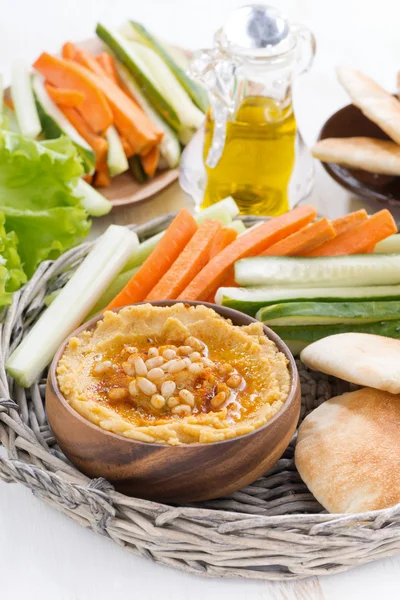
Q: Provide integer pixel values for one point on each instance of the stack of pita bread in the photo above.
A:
(369, 154)
(348, 449)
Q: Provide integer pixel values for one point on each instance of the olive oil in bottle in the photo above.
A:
(257, 159)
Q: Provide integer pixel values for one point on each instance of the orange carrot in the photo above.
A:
(98, 143)
(249, 244)
(67, 74)
(62, 97)
(88, 178)
(68, 51)
(191, 260)
(361, 238)
(174, 240)
(150, 161)
(342, 224)
(102, 175)
(303, 241)
(129, 151)
(107, 63)
(223, 238)
(84, 58)
(8, 102)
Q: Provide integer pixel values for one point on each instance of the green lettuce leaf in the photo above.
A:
(11, 274)
(37, 183)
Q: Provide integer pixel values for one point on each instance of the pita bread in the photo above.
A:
(348, 452)
(361, 358)
(375, 156)
(375, 102)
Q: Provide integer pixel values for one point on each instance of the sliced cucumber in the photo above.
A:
(250, 300)
(190, 117)
(223, 211)
(9, 120)
(297, 338)
(54, 123)
(24, 102)
(138, 69)
(136, 168)
(1, 95)
(170, 148)
(327, 313)
(238, 226)
(328, 271)
(115, 287)
(196, 93)
(91, 200)
(390, 244)
(116, 159)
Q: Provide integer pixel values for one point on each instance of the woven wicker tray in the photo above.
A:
(272, 529)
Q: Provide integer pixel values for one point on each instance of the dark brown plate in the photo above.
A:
(173, 473)
(349, 121)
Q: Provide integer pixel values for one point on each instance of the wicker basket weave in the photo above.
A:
(273, 529)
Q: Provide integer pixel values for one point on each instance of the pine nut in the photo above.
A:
(181, 409)
(133, 388)
(102, 367)
(168, 388)
(146, 386)
(131, 358)
(225, 369)
(140, 367)
(155, 374)
(195, 356)
(234, 381)
(152, 352)
(195, 343)
(177, 365)
(117, 393)
(185, 350)
(157, 401)
(172, 402)
(187, 397)
(169, 354)
(154, 362)
(129, 369)
(131, 349)
(207, 362)
(218, 400)
(196, 368)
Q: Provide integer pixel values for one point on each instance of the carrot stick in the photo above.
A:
(88, 178)
(303, 241)
(174, 240)
(62, 97)
(191, 260)
(8, 102)
(129, 151)
(361, 238)
(102, 175)
(249, 244)
(150, 161)
(84, 58)
(98, 143)
(223, 238)
(67, 74)
(107, 63)
(68, 51)
(342, 224)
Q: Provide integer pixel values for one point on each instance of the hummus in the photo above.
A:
(173, 375)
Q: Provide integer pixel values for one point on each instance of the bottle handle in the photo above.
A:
(307, 47)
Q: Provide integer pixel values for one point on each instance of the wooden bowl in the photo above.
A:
(166, 473)
(349, 121)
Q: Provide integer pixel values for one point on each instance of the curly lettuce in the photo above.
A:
(38, 197)
(12, 275)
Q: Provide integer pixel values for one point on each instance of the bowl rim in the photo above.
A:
(219, 309)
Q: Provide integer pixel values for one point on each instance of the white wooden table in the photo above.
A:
(43, 554)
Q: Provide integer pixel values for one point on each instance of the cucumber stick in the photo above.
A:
(116, 159)
(250, 300)
(297, 338)
(87, 284)
(54, 123)
(328, 313)
(333, 271)
(197, 94)
(9, 120)
(94, 202)
(390, 244)
(190, 117)
(134, 63)
(169, 146)
(238, 226)
(136, 168)
(223, 211)
(24, 103)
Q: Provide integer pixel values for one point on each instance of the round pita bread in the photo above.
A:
(361, 358)
(348, 451)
